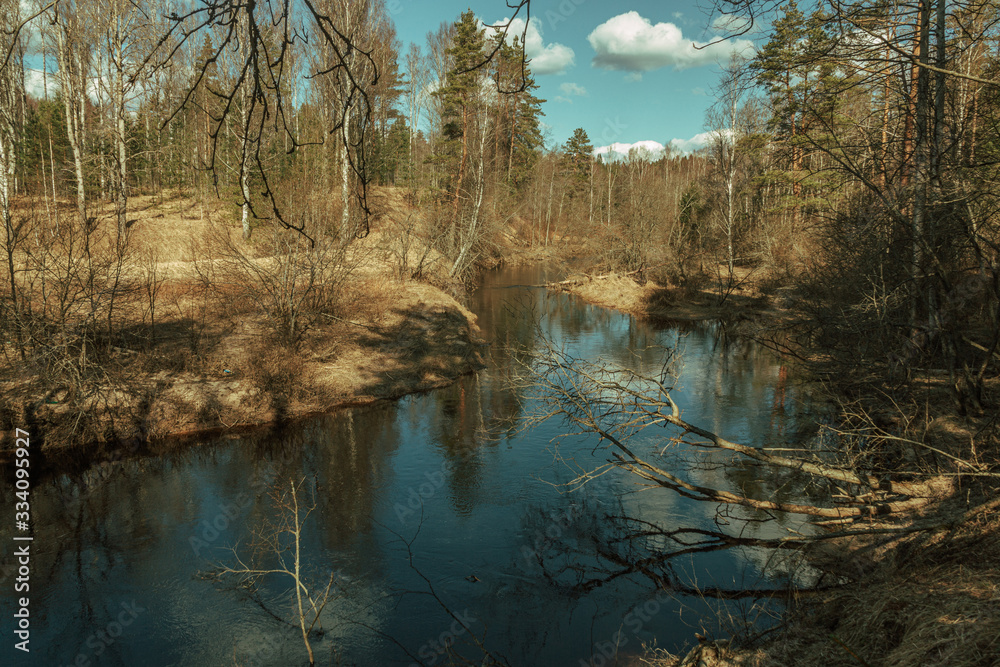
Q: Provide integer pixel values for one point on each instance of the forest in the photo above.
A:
(296, 156)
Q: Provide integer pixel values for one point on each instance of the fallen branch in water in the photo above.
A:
(618, 403)
(571, 282)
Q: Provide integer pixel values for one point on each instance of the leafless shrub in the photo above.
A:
(275, 550)
(76, 298)
(277, 373)
(412, 255)
(288, 279)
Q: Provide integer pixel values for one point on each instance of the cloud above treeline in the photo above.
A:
(653, 150)
(631, 43)
(552, 58)
(695, 143)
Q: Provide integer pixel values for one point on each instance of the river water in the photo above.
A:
(426, 509)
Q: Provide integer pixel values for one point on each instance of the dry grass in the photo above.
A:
(213, 360)
(697, 299)
(931, 601)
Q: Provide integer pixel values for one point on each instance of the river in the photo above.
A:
(432, 503)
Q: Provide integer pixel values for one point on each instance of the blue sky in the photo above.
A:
(624, 71)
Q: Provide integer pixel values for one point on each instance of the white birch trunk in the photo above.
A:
(72, 97)
(471, 234)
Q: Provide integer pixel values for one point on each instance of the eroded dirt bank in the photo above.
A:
(425, 340)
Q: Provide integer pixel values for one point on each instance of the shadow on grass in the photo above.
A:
(430, 347)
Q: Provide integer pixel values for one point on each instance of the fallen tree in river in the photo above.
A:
(840, 497)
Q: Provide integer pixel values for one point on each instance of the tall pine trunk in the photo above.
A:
(920, 162)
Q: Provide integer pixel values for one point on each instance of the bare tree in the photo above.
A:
(647, 436)
(10, 97)
(276, 550)
(73, 57)
(124, 42)
(728, 120)
(348, 59)
(418, 71)
(470, 232)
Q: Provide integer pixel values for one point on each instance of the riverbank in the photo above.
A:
(904, 597)
(424, 340)
(930, 600)
(914, 589)
(748, 297)
(215, 360)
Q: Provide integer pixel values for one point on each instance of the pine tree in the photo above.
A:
(459, 96)
(579, 160)
(779, 70)
(527, 133)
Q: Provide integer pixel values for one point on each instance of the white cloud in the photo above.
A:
(34, 84)
(572, 89)
(545, 58)
(698, 90)
(632, 43)
(654, 150)
(651, 150)
(560, 98)
(697, 142)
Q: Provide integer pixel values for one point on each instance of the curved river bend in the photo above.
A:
(122, 551)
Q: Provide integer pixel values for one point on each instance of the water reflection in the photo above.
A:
(478, 500)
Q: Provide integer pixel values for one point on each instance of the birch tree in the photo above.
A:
(729, 123)
(418, 73)
(125, 40)
(10, 96)
(73, 58)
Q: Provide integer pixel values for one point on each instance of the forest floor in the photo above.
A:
(214, 367)
(930, 597)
